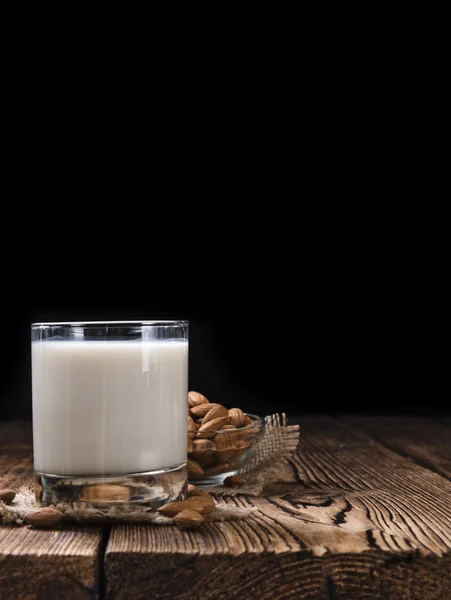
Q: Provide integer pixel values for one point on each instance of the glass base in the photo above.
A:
(150, 490)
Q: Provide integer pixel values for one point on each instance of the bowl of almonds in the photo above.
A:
(220, 440)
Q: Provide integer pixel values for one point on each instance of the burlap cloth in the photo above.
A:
(276, 446)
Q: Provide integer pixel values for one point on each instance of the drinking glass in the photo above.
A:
(110, 412)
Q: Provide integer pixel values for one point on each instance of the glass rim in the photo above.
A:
(156, 323)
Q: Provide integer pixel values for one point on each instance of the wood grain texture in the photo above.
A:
(425, 440)
(58, 563)
(350, 519)
(16, 461)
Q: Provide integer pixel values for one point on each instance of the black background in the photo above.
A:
(283, 316)
(287, 233)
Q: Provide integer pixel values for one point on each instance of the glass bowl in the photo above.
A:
(222, 452)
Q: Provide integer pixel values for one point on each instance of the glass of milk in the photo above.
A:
(110, 412)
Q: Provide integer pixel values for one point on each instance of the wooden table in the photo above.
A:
(362, 511)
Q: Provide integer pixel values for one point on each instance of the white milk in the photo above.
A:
(109, 407)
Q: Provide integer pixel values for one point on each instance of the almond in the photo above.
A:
(247, 421)
(228, 436)
(247, 432)
(223, 456)
(188, 519)
(236, 417)
(202, 446)
(203, 451)
(194, 399)
(225, 441)
(215, 413)
(173, 508)
(7, 495)
(208, 430)
(204, 456)
(194, 469)
(205, 502)
(206, 459)
(43, 517)
(192, 489)
(195, 491)
(105, 493)
(221, 468)
(234, 481)
(191, 428)
(190, 446)
(202, 409)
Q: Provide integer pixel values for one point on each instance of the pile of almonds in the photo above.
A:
(187, 514)
(218, 438)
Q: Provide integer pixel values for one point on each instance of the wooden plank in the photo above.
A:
(53, 563)
(238, 560)
(403, 499)
(360, 522)
(425, 440)
(56, 563)
(15, 452)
